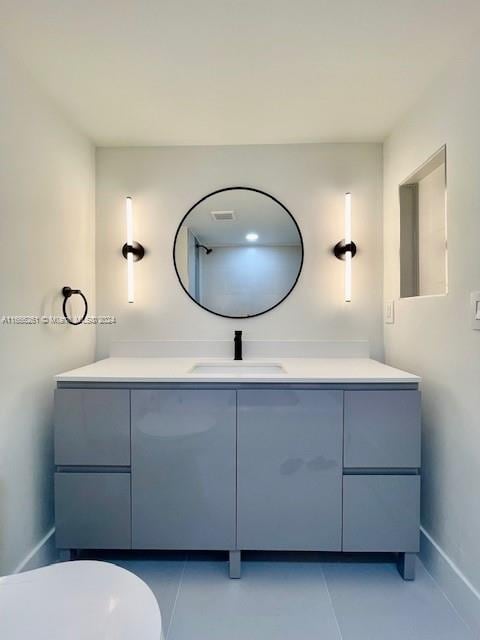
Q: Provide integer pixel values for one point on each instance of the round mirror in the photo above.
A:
(238, 252)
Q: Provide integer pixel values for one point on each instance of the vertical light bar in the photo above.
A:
(348, 241)
(130, 279)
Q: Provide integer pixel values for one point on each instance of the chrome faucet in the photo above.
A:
(238, 345)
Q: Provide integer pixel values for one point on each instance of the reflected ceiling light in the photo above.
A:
(251, 237)
(132, 251)
(346, 249)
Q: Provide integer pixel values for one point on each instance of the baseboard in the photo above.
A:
(42, 554)
(456, 586)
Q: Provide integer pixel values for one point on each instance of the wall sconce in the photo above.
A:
(346, 249)
(132, 251)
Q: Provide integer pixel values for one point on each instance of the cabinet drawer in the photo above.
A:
(382, 429)
(92, 427)
(381, 513)
(92, 510)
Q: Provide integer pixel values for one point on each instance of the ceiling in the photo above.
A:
(160, 72)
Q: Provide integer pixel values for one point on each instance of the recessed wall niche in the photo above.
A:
(423, 229)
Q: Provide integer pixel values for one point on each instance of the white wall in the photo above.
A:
(432, 336)
(309, 179)
(47, 235)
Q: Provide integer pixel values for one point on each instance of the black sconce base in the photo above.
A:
(340, 249)
(136, 249)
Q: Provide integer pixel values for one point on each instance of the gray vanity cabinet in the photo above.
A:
(239, 467)
(289, 469)
(183, 469)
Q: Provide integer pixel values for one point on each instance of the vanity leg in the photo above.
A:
(64, 555)
(406, 565)
(235, 560)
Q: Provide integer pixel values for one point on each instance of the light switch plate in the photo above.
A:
(389, 312)
(475, 309)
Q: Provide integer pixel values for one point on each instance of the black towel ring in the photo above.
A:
(68, 292)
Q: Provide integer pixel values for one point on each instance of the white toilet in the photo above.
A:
(84, 600)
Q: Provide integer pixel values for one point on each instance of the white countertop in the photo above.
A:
(296, 370)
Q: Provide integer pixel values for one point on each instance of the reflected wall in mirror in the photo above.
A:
(238, 252)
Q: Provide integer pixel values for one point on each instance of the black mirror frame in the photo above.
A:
(268, 195)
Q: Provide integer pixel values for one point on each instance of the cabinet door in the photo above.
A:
(92, 510)
(289, 469)
(92, 427)
(183, 469)
(382, 429)
(381, 513)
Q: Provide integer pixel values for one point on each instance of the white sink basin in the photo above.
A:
(239, 367)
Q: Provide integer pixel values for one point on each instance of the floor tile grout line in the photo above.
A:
(454, 608)
(331, 603)
(176, 597)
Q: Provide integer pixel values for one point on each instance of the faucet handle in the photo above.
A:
(237, 341)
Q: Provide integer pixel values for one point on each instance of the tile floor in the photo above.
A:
(293, 597)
